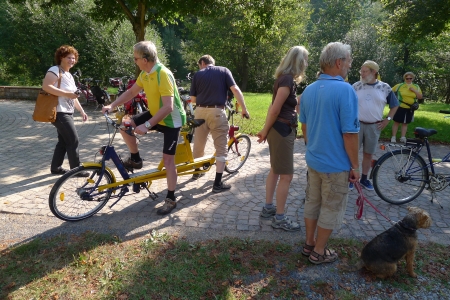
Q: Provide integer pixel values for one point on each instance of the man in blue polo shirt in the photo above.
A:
(209, 90)
(330, 125)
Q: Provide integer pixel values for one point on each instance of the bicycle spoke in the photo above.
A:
(75, 198)
(400, 177)
(238, 153)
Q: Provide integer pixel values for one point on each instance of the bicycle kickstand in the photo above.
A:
(435, 198)
(122, 193)
(151, 194)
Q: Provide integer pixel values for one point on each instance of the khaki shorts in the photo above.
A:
(368, 137)
(216, 123)
(281, 151)
(326, 198)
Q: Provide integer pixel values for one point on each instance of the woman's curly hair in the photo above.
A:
(63, 51)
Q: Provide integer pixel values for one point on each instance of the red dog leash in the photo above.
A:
(360, 204)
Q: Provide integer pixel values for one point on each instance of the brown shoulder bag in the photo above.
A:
(45, 108)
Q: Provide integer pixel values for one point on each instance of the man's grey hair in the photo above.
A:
(332, 52)
(147, 50)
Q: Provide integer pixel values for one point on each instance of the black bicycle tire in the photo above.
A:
(242, 137)
(392, 190)
(55, 195)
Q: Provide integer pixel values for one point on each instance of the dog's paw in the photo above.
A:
(413, 274)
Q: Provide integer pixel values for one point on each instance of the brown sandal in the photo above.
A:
(325, 258)
(306, 251)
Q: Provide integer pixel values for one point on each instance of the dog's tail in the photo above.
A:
(346, 267)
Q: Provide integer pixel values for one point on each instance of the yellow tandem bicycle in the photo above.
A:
(74, 198)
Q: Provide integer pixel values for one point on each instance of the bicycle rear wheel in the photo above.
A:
(75, 198)
(399, 176)
(238, 153)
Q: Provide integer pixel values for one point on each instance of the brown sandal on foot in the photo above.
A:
(325, 258)
(306, 251)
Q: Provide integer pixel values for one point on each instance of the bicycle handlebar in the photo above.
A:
(129, 130)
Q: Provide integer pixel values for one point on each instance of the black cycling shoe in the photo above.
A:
(59, 171)
(131, 164)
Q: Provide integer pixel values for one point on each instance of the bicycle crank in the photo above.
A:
(438, 182)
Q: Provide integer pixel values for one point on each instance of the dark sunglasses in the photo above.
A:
(408, 78)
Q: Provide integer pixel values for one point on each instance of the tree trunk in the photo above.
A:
(447, 93)
(245, 72)
(405, 59)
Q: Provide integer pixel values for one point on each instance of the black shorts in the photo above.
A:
(403, 115)
(171, 135)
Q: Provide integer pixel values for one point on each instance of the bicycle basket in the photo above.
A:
(98, 94)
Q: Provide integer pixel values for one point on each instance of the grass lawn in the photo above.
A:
(427, 116)
(158, 266)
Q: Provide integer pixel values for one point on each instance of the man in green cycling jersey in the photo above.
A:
(166, 114)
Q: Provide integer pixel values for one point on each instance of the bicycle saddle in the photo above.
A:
(195, 122)
(421, 133)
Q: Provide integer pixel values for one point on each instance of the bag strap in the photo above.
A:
(60, 76)
(399, 96)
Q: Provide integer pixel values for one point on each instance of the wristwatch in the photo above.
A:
(389, 118)
(148, 125)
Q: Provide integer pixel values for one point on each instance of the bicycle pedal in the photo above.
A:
(153, 195)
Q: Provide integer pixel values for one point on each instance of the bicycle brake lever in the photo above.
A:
(130, 131)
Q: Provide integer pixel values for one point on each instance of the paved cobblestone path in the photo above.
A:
(25, 182)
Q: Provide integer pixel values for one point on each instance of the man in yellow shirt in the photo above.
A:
(166, 114)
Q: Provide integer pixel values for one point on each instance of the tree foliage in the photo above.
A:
(416, 18)
(245, 43)
(28, 47)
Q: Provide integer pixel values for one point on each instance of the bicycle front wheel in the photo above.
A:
(75, 198)
(238, 153)
(400, 176)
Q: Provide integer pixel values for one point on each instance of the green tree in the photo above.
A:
(367, 42)
(238, 40)
(29, 39)
(416, 18)
(330, 21)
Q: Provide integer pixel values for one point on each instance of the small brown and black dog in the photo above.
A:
(380, 255)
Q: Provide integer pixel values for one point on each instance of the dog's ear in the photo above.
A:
(424, 220)
(413, 209)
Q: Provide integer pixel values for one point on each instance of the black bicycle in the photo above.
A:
(401, 175)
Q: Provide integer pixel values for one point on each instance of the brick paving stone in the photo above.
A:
(24, 188)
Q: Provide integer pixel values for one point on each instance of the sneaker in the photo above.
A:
(285, 224)
(131, 164)
(82, 174)
(222, 187)
(197, 176)
(268, 212)
(366, 184)
(168, 206)
(393, 139)
(59, 171)
(351, 186)
(403, 139)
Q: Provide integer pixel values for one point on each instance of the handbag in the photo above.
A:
(414, 106)
(45, 108)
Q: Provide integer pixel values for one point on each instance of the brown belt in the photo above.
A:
(283, 120)
(367, 123)
(211, 106)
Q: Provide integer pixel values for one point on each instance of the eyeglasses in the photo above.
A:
(409, 78)
(136, 58)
